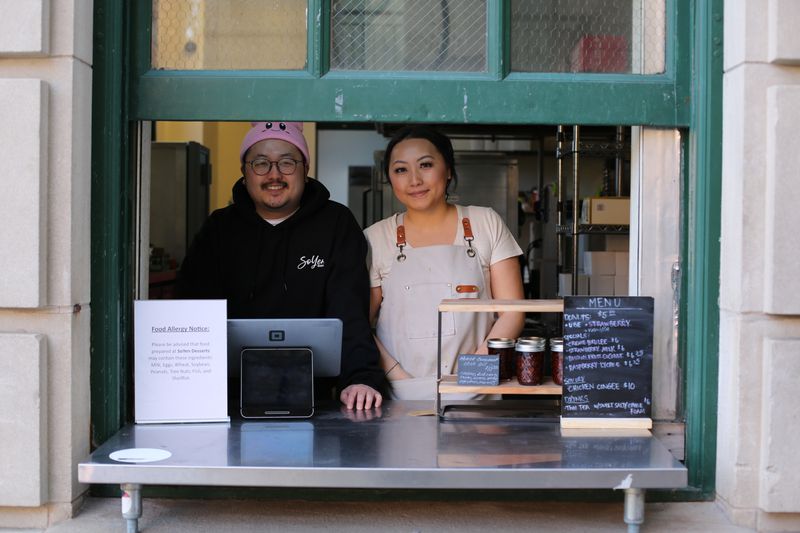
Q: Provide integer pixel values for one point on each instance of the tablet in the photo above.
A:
(323, 336)
(276, 383)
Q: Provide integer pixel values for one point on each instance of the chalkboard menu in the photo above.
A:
(608, 357)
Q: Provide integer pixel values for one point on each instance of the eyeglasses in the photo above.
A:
(262, 166)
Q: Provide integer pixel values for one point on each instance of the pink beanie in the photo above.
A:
(291, 132)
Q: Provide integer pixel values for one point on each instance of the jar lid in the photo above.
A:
(557, 344)
(500, 342)
(530, 344)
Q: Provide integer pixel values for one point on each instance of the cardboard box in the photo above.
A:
(565, 285)
(606, 210)
(621, 285)
(600, 53)
(617, 243)
(622, 260)
(601, 285)
(599, 263)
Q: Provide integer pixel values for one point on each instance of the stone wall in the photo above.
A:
(758, 474)
(45, 159)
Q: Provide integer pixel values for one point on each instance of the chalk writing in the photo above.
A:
(608, 357)
(478, 369)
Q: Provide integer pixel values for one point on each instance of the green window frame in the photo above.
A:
(686, 96)
(359, 96)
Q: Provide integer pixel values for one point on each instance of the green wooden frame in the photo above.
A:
(687, 95)
(317, 94)
(111, 218)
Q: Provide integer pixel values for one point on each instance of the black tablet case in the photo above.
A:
(276, 383)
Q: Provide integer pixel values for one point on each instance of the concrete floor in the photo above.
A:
(102, 515)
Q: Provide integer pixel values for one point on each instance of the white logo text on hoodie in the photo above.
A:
(313, 262)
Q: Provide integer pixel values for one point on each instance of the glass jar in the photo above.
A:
(523, 340)
(557, 359)
(505, 349)
(530, 360)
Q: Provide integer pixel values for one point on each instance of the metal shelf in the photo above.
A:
(598, 149)
(575, 149)
(596, 229)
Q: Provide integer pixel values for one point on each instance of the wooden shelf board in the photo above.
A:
(450, 384)
(528, 306)
(610, 423)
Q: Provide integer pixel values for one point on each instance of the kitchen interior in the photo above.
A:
(513, 169)
(626, 211)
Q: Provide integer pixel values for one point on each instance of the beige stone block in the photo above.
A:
(72, 36)
(738, 411)
(747, 21)
(780, 469)
(23, 420)
(782, 203)
(68, 176)
(24, 27)
(66, 331)
(783, 37)
(23, 170)
(778, 522)
(68, 173)
(734, 161)
(73, 247)
(744, 169)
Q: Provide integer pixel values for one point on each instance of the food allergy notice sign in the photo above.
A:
(608, 361)
(180, 372)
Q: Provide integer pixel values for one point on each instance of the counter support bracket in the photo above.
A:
(131, 506)
(634, 509)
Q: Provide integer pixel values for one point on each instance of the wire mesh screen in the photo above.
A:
(408, 35)
(229, 35)
(626, 36)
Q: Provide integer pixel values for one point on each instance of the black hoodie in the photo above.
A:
(313, 264)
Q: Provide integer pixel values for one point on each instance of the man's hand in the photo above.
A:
(360, 397)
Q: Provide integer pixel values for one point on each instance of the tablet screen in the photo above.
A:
(277, 383)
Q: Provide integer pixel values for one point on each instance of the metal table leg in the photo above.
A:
(131, 505)
(634, 509)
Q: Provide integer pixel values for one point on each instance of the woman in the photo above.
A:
(432, 251)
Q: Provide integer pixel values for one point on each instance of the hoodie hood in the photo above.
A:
(315, 195)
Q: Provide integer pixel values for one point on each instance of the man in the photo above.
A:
(283, 249)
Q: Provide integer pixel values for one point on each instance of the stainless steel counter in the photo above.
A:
(393, 447)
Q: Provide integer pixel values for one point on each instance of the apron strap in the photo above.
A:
(468, 236)
(401, 239)
(401, 236)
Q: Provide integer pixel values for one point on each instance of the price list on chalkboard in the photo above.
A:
(608, 357)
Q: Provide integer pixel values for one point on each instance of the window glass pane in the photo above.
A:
(626, 36)
(229, 35)
(409, 35)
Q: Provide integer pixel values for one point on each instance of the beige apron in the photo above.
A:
(407, 324)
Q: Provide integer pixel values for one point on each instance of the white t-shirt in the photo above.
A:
(493, 242)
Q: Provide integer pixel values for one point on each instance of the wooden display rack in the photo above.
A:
(448, 383)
